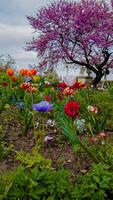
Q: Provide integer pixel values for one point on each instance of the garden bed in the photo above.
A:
(50, 131)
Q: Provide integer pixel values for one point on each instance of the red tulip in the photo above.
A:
(71, 108)
(48, 98)
(33, 71)
(5, 84)
(14, 78)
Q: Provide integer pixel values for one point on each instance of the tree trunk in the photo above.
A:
(97, 78)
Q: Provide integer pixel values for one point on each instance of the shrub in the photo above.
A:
(97, 184)
(33, 184)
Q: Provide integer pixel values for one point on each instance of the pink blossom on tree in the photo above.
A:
(75, 33)
(112, 3)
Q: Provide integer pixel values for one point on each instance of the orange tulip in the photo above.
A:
(23, 72)
(10, 72)
(29, 73)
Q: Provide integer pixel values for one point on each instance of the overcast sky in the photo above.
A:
(15, 30)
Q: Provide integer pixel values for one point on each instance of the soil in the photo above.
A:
(59, 151)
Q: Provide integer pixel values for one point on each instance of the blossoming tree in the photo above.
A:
(75, 33)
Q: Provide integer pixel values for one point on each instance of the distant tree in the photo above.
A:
(6, 61)
(77, 33)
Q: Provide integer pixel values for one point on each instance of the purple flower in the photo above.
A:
(42, 106)
(48, 139)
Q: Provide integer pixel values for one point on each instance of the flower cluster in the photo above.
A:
(100, 137)
(68, 91)
(26, 72)
(36, 78)
(76, 85)
(28, 87)
(62, 85)
(10, 72)
(80, 125)
(25, 85)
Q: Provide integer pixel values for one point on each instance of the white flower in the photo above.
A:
(50, 122)
(36, 125)
(80, 125)
(47, 82)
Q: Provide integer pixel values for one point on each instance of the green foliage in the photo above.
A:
(25, 114)
(97, 184)
(34, 159)
(68, 127)
(103, 150)
(52, 77)
(2, 149)
(65, 123)
(102, 120)
(2, 146)
(33, 184)
(26, 118)
(35, 178)
(5, 96)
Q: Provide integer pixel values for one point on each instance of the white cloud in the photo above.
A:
(24, 58)
(23, 5)
(16, 10)
(25, 55)
(14, 34)
(13, 40)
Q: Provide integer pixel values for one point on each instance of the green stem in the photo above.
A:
(84, 146)
(32, 99)
(43, 126)
(95, 159)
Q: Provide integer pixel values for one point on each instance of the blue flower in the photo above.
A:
(13, 100)
(42, 106)
(20, 105)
